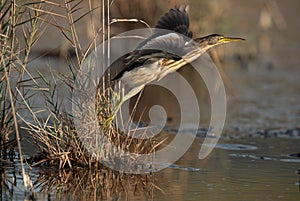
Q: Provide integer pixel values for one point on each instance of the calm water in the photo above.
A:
(265, 173)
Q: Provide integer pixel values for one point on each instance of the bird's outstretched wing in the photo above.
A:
(164, 43)
(177, 19)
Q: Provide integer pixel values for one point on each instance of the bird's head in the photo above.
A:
(209, 41)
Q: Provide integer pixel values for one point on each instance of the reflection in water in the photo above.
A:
(8, 179)
(94, 185)
(76, 184)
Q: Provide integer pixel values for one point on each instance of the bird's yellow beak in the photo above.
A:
(229, 39)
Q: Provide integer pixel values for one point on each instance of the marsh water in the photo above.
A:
(257, 157)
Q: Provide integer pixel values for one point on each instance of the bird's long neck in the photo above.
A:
(194, 54)
(202, 41)
(195, 51)
(207, 42)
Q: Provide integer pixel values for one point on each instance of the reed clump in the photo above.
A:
(55, 135)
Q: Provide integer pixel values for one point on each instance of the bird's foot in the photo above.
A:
(108, 122)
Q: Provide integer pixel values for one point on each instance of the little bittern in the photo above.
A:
(164, 52)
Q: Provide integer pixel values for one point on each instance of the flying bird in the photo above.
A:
(169, 48)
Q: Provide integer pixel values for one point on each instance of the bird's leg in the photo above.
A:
(120, 102)
(119, 99)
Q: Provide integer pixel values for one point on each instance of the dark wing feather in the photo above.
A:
(177, 19)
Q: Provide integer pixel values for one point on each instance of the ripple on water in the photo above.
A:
(290, 160)
(235, 147)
